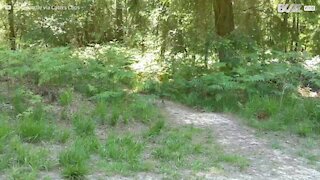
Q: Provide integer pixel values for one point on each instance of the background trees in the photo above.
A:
(181, 26)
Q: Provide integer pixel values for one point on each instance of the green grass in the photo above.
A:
(19, 101)
(123, 155)
(19, 154)
(124, 110)
(90, 143)
(62, 135)
(31, 130)
(123, 148)
(189, 147)
(155, 128)
(299, 115)
(83, 125)
(23, 130)
(66, 97)
(100, 113)
(5, 128)
(74, 162)
(23, 173)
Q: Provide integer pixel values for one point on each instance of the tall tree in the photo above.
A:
(224, 24)
(224, 19)
(12, 33)
(119, 20)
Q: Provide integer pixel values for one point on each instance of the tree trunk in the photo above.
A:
(119, 21)
(224, 24)
(285, 29)
(164, 25)
(224, 20)
(12, 33)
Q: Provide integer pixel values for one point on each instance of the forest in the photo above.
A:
(161, 89)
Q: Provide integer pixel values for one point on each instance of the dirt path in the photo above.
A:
(265, 162)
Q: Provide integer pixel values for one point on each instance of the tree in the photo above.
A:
(119, 20)
(224, 19)
(12, 33)
(224, 23)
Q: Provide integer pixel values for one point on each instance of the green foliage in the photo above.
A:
(83, 126)
(125, 108)
(123, 149)
(62, 135)
(261, 83)
(18, 102)
(5, 129)
(90, 143)
(176, 146)
(74, 161)
(23, 173)
(156, 128)
(107, 71)
(25, 155)
(123, 154)
(34, 130)
(190, 147)
(299, 115)
(65, 98)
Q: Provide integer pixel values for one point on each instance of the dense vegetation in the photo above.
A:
(83, 83)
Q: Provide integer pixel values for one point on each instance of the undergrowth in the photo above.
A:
(42, 110)
(262, 88)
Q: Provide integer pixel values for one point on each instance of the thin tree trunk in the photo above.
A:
(12, 33)
(285, 28)
(293, 36)
(119, 20)
(224, 23)
(164, 33)
(297, 33)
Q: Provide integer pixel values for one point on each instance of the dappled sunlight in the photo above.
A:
(307, 92)
(313, 64)
(146, 63)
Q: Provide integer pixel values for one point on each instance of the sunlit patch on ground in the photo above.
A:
(146, 63)
(307, 92)
(313, 64)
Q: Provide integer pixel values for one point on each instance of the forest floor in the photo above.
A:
(190, 144)
(271, 155)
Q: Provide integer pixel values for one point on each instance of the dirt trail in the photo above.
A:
(265, 162)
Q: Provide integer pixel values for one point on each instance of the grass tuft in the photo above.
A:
(83, 126)
(74, 162)
(31, 130)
